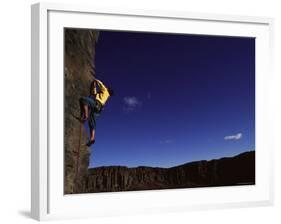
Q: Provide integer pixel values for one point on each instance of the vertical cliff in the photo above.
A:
(79, 69)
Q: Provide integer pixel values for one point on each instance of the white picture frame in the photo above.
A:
(48, 201)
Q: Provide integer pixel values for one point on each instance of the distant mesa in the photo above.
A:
(237, 170)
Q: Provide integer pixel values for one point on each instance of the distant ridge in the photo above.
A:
(153, 167)
(226, 171)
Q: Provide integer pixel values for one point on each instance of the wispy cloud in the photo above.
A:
(166, 141)
(233, 137)
(131, 103)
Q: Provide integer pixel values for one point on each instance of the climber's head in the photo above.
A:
(110, 91)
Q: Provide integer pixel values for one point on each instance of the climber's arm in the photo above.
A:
(101, 86)
(93, 88)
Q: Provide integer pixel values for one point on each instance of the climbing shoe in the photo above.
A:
(83, 118)
(90, 142)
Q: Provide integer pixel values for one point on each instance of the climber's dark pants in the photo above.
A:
(92, 105)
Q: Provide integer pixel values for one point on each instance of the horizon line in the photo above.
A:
(135, 167)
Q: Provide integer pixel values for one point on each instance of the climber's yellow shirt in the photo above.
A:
(103, 95)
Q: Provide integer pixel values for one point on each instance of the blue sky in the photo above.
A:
(178, 98)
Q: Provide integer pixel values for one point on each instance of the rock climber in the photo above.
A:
(92, 106)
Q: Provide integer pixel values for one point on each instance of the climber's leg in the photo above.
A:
(85, 112)
(88, 106)
(92, 126)
(85, 104)
(92, 138)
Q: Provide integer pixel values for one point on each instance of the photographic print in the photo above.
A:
(152, 111)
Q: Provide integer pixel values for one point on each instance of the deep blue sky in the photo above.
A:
(177, 98)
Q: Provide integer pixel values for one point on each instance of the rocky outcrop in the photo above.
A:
(236, 170)
(79, 69)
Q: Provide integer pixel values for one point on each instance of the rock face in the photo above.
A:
(79, 69)
(238, 170)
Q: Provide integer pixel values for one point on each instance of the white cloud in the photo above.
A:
(233, 137)
(131, 103)
(166, 141)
